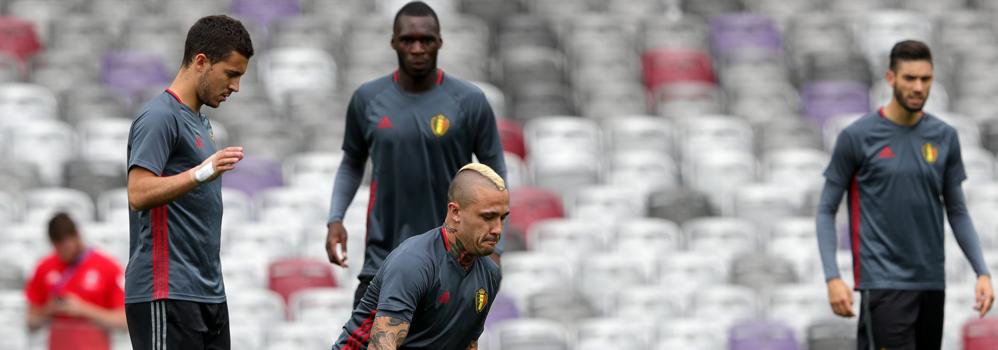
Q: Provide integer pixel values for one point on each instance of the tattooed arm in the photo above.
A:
(388, 333)
(474, 345)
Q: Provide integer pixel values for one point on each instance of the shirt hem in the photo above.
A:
(178, 296)
(903, 285)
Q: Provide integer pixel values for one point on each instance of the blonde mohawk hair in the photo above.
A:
(487, 172)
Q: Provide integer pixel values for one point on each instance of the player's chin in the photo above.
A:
(487, 248)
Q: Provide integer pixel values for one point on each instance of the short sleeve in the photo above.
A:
(354, 140)
(955, 172)
(115, 287)
(845, 160)
(151, 141)
(35, 290)
(404, 281)
(488, 146)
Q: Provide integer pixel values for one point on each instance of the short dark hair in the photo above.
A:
(909, 50)
(216, 37)
(415, 9)
(61, 227)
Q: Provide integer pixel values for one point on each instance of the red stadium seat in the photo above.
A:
(287, 276)
(511, 135)
(531, 205)
(980, 334)
(18, 38)
(672, 65)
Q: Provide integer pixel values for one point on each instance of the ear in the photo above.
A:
(889, 76)
(201, 61)
(454, 211)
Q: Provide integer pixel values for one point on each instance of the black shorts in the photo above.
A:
(176, 324)
(901, 319)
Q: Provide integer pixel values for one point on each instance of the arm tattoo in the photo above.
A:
(473, 345)
(388, 333)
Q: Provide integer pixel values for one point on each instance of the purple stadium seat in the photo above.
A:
(826, 99)
(758, 334)
(503, 308)
(254, 174)
(736, 31)
(264, 12)
(18, 38)
(129, 73)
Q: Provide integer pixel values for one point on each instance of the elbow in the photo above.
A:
(136, 202)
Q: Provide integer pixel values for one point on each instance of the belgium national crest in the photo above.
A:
(481, 299)
(931, 153)
(439, 125)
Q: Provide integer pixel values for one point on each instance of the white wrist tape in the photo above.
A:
(204, 172)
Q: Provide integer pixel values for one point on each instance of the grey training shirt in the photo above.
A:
(174, 248)
(416, 142)
(896, 177)
(423, 284)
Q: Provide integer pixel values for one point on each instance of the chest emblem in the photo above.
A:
(385, 123)
(886, 153)
(439, 125)
(481, 299)
(444, 298)
(930, 152)
(198, 142)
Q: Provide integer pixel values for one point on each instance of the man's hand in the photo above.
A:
(71, 305)
(220, 162)
(840, 297)
(336, 235)
(984, 294)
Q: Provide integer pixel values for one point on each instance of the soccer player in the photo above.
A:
(418, 126)
(902, 167)
(435, 289)
(173, 291)
(77, 289)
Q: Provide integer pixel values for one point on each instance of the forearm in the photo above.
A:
(388, 333)
(348, 179)
(831, 196)
(963, 229)
(109, 319)
(146, 190)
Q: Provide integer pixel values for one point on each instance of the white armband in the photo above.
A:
(205, 172)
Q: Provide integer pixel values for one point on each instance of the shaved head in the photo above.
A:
(469, 179)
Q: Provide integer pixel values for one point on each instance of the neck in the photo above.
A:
(184, 85)
(457, 248)
(900, 115)
(417, 84)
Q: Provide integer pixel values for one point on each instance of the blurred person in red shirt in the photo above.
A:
(78, 291)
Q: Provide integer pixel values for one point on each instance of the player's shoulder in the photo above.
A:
(864, 124)
(371, 88)
(935, 122)
(159, 108)
(461, 89)
(416, 249)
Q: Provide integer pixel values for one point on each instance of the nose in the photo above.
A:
(417, 47)
(234, 85)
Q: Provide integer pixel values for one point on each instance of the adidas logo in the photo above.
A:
(385, 123)
(886, 153)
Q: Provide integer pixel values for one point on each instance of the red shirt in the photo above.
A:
(97, 279)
